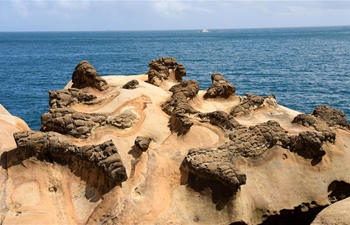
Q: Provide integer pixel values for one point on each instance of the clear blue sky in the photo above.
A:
(82, 15)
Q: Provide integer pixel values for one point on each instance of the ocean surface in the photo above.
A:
(303, 67)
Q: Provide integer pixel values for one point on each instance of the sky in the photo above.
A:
(94, 15)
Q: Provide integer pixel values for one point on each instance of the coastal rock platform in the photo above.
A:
(156, 149)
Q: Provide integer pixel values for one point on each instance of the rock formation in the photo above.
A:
(220, 87)
(68, 97)
(163, 69)
(56, 148)
(168, 152)
(85, 75)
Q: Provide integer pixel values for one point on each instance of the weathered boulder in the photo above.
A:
(161, 69)
(54, 147)
(333, 117)
(142, 143)
(68, 97)
(85, 75)
(220, 87)
(178, 106)
(220, 119)
(131, 84)
(80, 125)
(251, 102)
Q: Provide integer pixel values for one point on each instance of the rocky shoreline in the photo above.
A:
(155, 149)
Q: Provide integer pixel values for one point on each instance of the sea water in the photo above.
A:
(303, 67)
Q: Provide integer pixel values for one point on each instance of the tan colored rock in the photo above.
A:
(223, 168)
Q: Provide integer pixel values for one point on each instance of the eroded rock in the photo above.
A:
(131, 84)
(161, 69)
(220, 87)
(251, 102)
(57, 148)
(67, 97)
(85, 75)
(178, 106)
(80, 125)
(142, 143)
(333, 117)
(220, 119)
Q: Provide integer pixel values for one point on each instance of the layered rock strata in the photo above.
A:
(68, 97)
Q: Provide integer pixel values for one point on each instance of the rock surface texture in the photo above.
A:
(85, 75)
(154, 149)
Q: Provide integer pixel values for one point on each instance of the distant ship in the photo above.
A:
(204, 31)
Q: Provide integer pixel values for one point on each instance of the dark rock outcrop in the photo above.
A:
(309, 144)
(220, 119)
(322, 118)
(251, 102)
(333, 117)
(67, 97)
(131, 84)
(142, 143)
(57, 148)
(220, 87)
(85, 75)
(177, 107)
(80, 125)
(251, 142)
(160, 70)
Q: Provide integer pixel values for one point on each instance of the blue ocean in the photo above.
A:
(303, 67)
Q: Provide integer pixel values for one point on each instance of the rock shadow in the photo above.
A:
(220, 194)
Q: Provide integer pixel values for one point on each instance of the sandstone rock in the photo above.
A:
(142, 143)
(85, 75)
(333, 117)
(161, 69)
(220, 87)
(220, 119)
(131, 84)
(80, 125)
(67, 97)
(178, 106)
(54, 147)
(251, 102)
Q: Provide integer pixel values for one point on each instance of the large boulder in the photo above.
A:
(85, 75)
(220, 87)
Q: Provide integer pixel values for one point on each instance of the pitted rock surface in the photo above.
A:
(160, 70)
(220, 87)
(308, 120)
(67, 97)
(131, 84)
(85, 75)
(177, 107)
(217, 163)
(213, 164)
(310, 144)
(333, 117)
(220, 119)
(142, 143)
(251, 102)
(80, 125)
(52, 146)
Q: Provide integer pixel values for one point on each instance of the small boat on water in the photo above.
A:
(204, 31)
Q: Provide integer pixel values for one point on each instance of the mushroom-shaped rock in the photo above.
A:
(220, 87)
(131, 84)
(85, 75)
(163, 68)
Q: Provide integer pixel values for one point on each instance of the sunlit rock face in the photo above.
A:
(156, 149)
